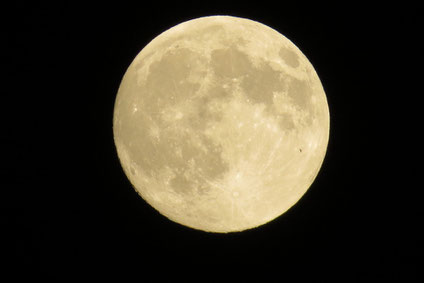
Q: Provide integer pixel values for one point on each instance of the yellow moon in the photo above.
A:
(221, 124)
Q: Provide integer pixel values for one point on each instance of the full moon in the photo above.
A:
(221, 124)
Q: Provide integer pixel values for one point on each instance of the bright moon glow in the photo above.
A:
(221, 124)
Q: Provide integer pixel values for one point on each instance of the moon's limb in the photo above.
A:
(221, 124)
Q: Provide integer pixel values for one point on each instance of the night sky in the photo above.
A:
(69, 212)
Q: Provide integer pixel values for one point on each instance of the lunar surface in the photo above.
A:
(221, 124)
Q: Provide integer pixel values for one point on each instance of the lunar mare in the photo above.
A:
(221, 124)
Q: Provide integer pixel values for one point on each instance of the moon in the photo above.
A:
(221, 124)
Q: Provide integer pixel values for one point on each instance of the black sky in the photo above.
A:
(69, 212)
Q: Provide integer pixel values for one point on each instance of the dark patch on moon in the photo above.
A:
(289, 56)
(173, 149)
(181, 185)
(207, 112)
(168, 78)
(260, 84)
(152, 156)
(300, 93)
(230, 63)
(285, 121)
(207, 163)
